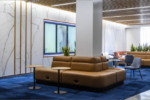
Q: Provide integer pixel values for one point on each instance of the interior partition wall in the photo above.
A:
(21, 41)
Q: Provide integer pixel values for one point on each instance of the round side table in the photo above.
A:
(60, 68)
(34, 66)
(115, 60)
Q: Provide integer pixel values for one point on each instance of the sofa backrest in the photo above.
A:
(136, 53)
(119, 54)
(104, 63)
(61, 61)
(91, 64)
(142, 55)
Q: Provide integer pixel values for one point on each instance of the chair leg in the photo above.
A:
(140, 73)
(130, 74)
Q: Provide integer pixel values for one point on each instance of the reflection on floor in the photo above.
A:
(17, 88)
(141, 96)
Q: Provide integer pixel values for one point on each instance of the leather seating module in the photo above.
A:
(85, 71)
(145, 57)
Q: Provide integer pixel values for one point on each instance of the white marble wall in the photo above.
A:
(17, 56)
(40, 13)
(114, 37)
(6, 38)
(7, 35)
(28, 34)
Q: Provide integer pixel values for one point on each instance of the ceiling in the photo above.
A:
(129, 12)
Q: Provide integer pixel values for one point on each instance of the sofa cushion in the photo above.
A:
(86, 59)
(121, 73)
(103, 59)
(47, 74)
(105, 65)
(146, 62)
(147, 56)
(92, 67)
(148, 53)
(62, 58)
(61, 64)
(140, 56)
(90, 79)
(122, 60)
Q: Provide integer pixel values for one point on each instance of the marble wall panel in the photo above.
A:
(28, 34)
(37, 27)
(7, 35)
(37, 34)
(23, 38)
(17, 56)
(6, 38)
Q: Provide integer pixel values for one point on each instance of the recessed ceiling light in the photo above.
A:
(127, 15)
(133, 8)
(63, 4)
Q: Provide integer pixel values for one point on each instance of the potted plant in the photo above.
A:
(145, 48)
(133, 48)
(139, 48)
(66, 50)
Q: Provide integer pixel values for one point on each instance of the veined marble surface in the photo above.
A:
(6, 38)
(141, 96)
(7, 35)
(17, 56)
(40, 13)
(23, 39)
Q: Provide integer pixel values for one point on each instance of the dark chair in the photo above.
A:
(128, 59)
(135, 65)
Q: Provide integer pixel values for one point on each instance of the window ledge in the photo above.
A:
(51, 55)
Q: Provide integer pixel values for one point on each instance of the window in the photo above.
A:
(58, 35)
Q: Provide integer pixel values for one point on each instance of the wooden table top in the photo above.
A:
(34, 66)
(60, 68)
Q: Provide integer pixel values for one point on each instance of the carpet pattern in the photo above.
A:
(17, 88)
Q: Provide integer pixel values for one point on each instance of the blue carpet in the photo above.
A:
(17, 88)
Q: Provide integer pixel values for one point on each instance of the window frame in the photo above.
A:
(56, 23)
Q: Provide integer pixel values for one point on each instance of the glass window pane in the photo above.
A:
(50, 38)
(61, 37)
(71, 38)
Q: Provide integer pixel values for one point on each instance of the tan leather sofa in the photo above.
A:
(145, 56)
(85, 71)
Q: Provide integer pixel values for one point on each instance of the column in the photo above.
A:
(89, 28)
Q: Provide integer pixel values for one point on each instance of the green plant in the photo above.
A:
(149, 48)
(145, 48)
(66, 50)
(139, 48)
(133, 48)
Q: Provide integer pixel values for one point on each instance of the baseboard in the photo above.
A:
(80, 87)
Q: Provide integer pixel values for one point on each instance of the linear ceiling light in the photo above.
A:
(127, 15)
(133, 8)
(31, 0)
(131, 20)
(64, 4)
(137, 23)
